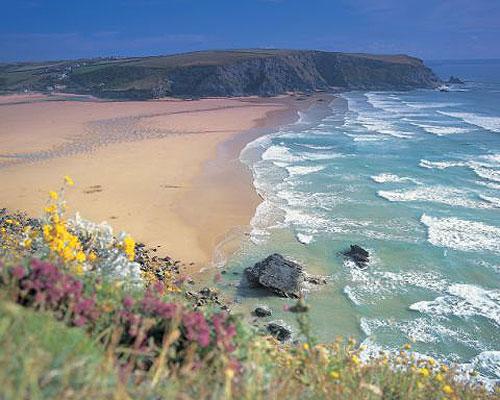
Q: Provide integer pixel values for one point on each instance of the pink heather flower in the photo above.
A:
(18, 272)
(224, 331)
(286, 307)
(197, 328)
(128, 302)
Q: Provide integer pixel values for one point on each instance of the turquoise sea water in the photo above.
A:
(414, 177)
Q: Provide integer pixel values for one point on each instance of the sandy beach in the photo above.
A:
(165, 171)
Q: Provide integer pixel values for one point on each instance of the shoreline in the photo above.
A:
(234, 185)
(149, 168)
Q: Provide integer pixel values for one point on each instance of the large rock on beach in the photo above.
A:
(281, 276)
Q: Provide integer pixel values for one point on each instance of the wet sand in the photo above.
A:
(165, 171)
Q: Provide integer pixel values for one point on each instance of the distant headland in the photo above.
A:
(223, 73)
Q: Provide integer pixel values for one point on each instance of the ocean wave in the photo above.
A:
(495, 201)
(266, 216)
(441, 130)
(392, 178)
(365, 138)
(440, 164)
(304, 238)
(437, 194)
(461, 234)
(420, 105)
(423, 330)
(304, 170)
(279, 153)
(483, 121)
(463, 300)
(486, 173)
(370, 287)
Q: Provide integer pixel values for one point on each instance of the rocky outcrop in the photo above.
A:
(279, 330)
(262, 311)
(281, 276)
(223, 73)
(358, 255)
(454, 81)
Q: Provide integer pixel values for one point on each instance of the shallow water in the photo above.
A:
(414, 177)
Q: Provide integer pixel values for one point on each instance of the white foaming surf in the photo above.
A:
(459, 234)
(304, 170)
(463, 300)
(441, 130)
(392, 178)
(483, 121)
(437, 194)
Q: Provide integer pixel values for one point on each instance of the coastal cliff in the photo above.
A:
(220, 73)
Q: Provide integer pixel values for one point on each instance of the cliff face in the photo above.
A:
(222, 73)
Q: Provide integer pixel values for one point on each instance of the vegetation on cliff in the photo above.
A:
(220, 73)
(87, 314)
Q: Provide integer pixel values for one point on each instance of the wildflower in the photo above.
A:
(407, 346)
(305, 346)
(355, 359)
(229, 374)
(129, 247)
(92, 256)
(447, 389)
(431, 362)
(424, 372)
(335, 375)
(53, 195)
(69, 181)
(80, 256)
(439, 378)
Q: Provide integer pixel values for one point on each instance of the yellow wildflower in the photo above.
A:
(355, 359)
(129, 247)
(50, 209)
(335, 375)
(305, 346)
(407, 346)
(69, 181)
(447, 389)
(424, 372)
(92, 257)
(439, 378)
(229, 374)
(80, 256)
(53, 195)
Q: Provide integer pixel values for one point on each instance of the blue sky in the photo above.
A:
(430, 29)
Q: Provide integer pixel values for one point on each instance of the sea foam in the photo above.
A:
(463, 300)
(483, 121)
(461, 234)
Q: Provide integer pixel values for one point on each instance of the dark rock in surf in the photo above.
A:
(279, 330)
(262, 311)
(358, 255)
(455, 81)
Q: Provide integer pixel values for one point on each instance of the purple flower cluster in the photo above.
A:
(141, 322)
(225, 331)
(43, 285)
(197, 328)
